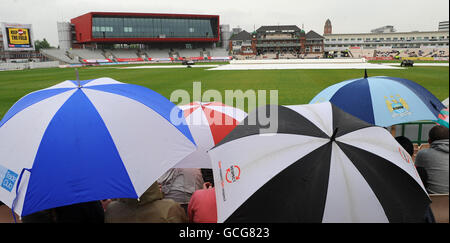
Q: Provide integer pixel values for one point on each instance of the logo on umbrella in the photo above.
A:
(397, 106)
(404, 155)
(7, 178)
(231, 171)
(221, 181)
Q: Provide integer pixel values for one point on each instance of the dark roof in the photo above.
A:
(313, 35)
(278, 28)
(243, 35)
(302, 33)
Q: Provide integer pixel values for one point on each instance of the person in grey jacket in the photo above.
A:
(432, 163)
(179, 184)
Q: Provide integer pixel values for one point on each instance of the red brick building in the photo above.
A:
(328, 29)
(280, 39)
(242, 43)
(314, 43)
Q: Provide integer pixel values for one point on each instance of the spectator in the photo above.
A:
(178, 184)
(207, 175)
(434, 161)
(202, 207)
(149, 208)
(406, 144)
(87, 212)
(6, 214)
(409, 147)
(105, 203)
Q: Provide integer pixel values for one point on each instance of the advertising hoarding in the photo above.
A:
(17, 37)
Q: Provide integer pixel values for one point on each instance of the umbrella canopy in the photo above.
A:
(443, 117)
(322, 165)
(209, 123)
(75, 143)
(383, 101)
(445, 102)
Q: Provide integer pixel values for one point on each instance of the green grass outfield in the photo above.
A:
(294, 86)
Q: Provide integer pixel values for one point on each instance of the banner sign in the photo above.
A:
(418, 58)
(219, 58)
(196, 58)
(441, 58)
(161, 59)
(17, 37)
(379, 58)
(96, 60)
(140, 59)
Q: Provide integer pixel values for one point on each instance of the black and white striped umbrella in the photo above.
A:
(320, 165)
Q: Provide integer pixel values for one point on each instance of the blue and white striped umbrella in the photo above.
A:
(103, 139)
(382, 101)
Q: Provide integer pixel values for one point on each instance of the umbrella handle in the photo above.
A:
(17, 192)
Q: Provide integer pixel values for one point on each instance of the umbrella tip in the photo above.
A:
(333, 137)
(365, 73)
(78, 77)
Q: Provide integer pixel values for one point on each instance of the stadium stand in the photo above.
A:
(386, 53)
(88, 54)
(267, 55)
(436, 52)
(109, 54)
(157, 53)
(246, 57)
(412, 52)
(189, 53)
(356, 53)
(124, 53)
(204, 53)
(173, 53)
(368, 52)
(313, 55)
(218, 52)
(59, 55)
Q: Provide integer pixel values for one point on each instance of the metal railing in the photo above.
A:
(278, 45)
(420, 129)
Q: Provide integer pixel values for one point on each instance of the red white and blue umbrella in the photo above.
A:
(321, 164)
(382, 101)
(209, 123)
(92, 140)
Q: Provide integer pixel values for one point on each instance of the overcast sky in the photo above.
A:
(347, 16)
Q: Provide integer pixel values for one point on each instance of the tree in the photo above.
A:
(41, 44)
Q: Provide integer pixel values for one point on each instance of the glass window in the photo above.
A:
(157, 26)
(149, 29)
(127, 27)
(164, 27)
